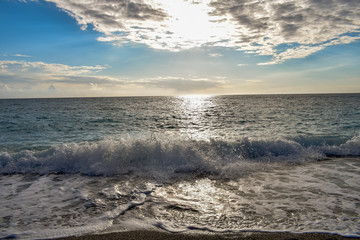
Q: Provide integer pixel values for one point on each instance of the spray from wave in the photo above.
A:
(166, 155)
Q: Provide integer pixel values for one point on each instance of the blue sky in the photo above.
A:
(78, 48)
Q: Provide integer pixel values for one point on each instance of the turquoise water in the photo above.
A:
(214, 163)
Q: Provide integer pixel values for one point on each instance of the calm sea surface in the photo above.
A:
(209, 163)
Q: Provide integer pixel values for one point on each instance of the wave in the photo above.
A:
(169, 155)
(350, 148)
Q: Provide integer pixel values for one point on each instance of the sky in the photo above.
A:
(98, 48)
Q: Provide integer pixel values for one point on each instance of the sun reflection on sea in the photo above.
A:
(196, 112)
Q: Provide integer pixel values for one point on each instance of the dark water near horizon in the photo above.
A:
(212, 163)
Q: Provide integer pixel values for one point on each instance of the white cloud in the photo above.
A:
(305, 50)
(323, 69)
(16, 75)
(254, 81)
(12, 67)
(21, 55)
(267, 27)
(33, 79)
(242, 64)
(41, 74)
(267, 63)
(215, 55)
(95, 87)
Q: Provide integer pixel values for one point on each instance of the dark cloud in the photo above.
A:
(291, 18)
(142, 11)
(103, 17)
(109, 14)
(284, 8)
(289, 29)
(308, 22)
(246, 13)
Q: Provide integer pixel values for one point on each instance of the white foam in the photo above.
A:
(161, 155)
(53, 208)
(350, 148)
(318, 196)
(63, 205)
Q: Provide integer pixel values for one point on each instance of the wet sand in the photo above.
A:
(159, 235)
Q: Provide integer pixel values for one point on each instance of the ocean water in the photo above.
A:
(181, 164)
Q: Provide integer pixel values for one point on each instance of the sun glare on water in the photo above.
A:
(194, 110)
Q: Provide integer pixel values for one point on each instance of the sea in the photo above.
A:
(215, 164)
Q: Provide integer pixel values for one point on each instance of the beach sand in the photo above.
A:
(159, 235)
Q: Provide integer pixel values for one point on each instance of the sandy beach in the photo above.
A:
(159, 235)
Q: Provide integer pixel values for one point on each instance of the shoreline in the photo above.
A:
(162, 235)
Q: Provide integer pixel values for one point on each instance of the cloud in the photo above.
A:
(33, 79)
(267, 27)
(12, 67)
(181, 84)
(323, 69)
(114, 18)
(267, 63)
(3, 86)
(242, 64)
(254, 81)
(95, 87)
(160, 24)
(21, 55)
(303, 51)
(17, 55)
(264, 26)
(41, 76)
(52, 88)
(37, 73)
(215, 55)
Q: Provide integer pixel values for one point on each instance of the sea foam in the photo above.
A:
(163, 155)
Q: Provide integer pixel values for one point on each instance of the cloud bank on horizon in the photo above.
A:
(281, 29)
(85, 79)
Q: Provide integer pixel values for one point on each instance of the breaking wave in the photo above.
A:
(164, 155)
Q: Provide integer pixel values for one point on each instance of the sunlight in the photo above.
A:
(194, 103)
(191, 23)
(195, 110)
(201, 195)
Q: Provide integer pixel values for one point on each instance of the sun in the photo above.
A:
(191, 24)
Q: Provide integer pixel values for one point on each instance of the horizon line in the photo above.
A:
(183, 95)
